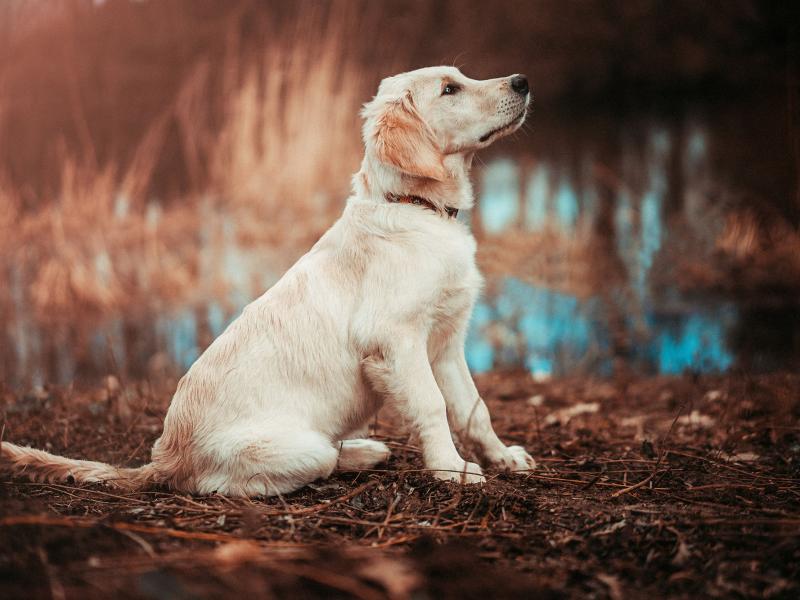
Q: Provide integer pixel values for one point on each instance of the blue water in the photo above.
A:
(552, 332)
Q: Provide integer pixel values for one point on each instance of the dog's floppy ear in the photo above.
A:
(403, 139)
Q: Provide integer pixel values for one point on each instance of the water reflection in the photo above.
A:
(546, 331)
(552, 331)
(550, 325)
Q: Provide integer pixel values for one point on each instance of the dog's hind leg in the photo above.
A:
(355, 455)
(276, 462)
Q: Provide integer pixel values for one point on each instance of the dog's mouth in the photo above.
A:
(505, 128)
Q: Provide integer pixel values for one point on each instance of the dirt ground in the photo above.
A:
(682, 487)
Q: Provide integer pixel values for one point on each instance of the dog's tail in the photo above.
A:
(39, 465)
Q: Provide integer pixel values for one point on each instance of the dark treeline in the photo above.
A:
(84, 79)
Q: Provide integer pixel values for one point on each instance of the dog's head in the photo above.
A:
(418, 118)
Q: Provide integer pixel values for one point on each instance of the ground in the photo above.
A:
(681, 487)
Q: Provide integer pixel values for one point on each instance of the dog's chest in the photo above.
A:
(449, 315)
(456, 294)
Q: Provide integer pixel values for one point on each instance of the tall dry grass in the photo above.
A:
(757, 252)
(269, 171)
(267, 134)
(289, 137)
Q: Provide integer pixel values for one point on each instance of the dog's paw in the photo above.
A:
(467, 472)
(358, 454)
(514, 458)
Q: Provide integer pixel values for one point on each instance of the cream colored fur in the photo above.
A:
(376, 312)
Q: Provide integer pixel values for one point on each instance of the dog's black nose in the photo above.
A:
(519, 83)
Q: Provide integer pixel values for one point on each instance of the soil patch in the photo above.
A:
(680, 487)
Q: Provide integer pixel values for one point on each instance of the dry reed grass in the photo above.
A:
(267, 139)
(289, 134)
(761, 249)
(273, 166)
(270, 174)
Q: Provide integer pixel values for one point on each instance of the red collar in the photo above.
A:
(451, 212)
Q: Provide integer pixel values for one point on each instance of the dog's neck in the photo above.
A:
(375, 180)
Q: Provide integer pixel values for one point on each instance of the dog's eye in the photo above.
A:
(450, 89)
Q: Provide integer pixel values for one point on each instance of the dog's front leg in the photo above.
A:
(402, 372)
(468, 414)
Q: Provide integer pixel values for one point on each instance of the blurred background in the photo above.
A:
(162, 163)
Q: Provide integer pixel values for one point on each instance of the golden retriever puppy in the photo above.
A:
(375, 313)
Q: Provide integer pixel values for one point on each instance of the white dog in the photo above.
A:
(376, 312)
